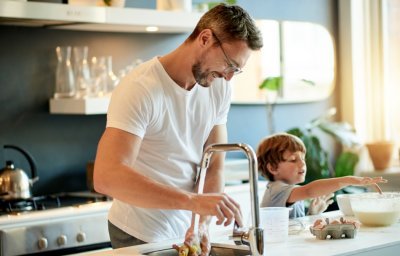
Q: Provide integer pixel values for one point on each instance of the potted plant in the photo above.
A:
(318, 158)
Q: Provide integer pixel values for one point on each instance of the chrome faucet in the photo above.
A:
(252, 236)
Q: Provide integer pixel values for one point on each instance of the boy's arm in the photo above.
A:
(326, 186)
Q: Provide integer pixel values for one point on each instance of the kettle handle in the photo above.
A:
(30, 159)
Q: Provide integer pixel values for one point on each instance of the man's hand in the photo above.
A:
(320, 204)
(196, 244)
(220, 205)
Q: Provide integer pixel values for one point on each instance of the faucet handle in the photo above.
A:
(240, 235)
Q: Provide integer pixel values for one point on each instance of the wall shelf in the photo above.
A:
(93, 18)
(89, 106)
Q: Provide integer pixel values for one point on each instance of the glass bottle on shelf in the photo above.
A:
(112, 79)
(103, 77)
(65, 81)
(81, 70)
(99, 76)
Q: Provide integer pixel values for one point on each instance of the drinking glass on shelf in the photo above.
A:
(81, 70)
(65, 81)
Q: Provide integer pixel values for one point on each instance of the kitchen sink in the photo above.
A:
(215, 251)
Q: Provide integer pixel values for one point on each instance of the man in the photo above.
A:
(160, 119)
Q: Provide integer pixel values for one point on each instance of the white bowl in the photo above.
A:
(374, 209)
(343, 201)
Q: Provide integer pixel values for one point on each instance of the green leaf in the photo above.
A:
(231, 2)
(272, 83)
(296, 132)
(341, 131)
(346, 163)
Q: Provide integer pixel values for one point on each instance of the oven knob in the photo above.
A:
(62, 240)
(42, 243)
(81, 237)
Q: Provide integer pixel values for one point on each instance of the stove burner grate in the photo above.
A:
(38, 203)
(14, 206)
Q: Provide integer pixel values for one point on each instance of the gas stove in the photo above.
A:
(54, 225)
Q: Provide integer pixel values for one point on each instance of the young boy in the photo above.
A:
(281, 159)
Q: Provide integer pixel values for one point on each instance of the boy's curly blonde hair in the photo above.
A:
(271, 149)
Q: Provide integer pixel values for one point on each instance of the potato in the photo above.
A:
(184, 250)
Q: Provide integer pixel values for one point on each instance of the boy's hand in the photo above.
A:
(364, 181)
(320, 204)
(367, 181)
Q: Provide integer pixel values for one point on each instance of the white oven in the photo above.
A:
(68, 228)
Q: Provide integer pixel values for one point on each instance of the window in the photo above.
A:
(391, 67)
(369, 34)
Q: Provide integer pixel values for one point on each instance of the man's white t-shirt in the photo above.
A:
(174, 125)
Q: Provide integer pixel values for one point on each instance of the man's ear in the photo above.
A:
(205, 37)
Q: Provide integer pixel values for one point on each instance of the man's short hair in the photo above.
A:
(230, 23)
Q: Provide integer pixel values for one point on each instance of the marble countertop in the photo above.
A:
(369, 241)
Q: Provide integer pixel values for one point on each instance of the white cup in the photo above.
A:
(275, 222)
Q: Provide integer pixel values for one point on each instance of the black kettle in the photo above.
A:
(14, 182)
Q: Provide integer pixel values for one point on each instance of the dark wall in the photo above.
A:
(63, 144)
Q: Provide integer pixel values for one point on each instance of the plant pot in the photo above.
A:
(381, 154)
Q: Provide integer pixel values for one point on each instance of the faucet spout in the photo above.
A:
(254, 235)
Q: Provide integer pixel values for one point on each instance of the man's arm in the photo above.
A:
(214, 181)
(114, 176)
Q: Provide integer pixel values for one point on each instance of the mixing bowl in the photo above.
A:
(343, 201)
(374, 209)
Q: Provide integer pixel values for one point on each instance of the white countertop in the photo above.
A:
(383, 241)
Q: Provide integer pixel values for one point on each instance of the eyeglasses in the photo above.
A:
(232, 68)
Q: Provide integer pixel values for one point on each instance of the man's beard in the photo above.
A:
(200, 76)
